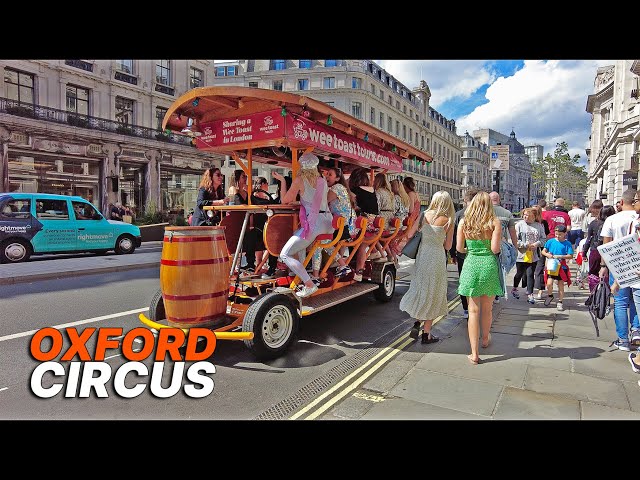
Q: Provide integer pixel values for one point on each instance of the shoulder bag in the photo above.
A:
(411, 248)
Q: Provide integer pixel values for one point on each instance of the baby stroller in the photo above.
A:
(582, 274)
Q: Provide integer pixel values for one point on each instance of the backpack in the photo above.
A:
(598, 302)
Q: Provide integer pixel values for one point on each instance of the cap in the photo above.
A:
(308, 161)
(560, 228)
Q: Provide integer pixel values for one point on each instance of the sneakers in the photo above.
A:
(346, 270)
(306, 291)
(539, 295)
(634, 365)
(247, 272)
(548, 300)
(531, 300)
(358, 275)
(316, 281)
(635, 337)
(559, 307)
(268, 275)
(465, 314)
(621, 344)
(515, 293)
(496, 300)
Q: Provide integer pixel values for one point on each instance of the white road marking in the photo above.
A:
(73, 324)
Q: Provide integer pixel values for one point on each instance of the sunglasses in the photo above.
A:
(635, 200)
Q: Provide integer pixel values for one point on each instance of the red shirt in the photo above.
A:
(556, 217)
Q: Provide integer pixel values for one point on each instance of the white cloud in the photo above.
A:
(544, 102)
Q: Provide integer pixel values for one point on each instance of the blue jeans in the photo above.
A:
(624, 310)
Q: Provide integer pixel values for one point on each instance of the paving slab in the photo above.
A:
(462, 394)
(518, 404)
(576, 385)
(535, 331)
(526, 323)
(593, 411)
(351, 408)
(632, 389)
(405, 409)
(576, 331)
(385, 379)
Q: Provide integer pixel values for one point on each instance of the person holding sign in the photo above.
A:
(558, 248)
(615, 228)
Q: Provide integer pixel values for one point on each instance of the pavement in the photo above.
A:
(541, 364)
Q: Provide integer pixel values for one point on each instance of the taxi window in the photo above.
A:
(83, 210)
(47, 209)
(16, 208)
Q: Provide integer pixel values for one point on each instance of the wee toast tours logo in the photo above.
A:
(86, 371)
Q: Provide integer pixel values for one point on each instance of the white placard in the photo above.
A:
(622, 257)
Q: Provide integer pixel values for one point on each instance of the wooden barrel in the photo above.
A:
(194, 275)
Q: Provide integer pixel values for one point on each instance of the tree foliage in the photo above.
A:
(560, 171)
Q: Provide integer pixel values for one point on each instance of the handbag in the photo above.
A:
(553, 266)
(528, 256)
(411, 248)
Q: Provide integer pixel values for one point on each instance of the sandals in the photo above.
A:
(429, 338)
(415, 331)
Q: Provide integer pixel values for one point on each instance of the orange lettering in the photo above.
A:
(192, 354)
(104, 342)
(78, 344)
(147, 347)
(36, 344)
(165, 346)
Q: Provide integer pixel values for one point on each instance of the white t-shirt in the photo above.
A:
(577, 216)
(617, 225)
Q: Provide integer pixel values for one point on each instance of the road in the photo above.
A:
(331, 345)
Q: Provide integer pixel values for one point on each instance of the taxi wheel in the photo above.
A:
(125, 244)
(156, 308)
(273, 319)
(385, 291)
(14, 250)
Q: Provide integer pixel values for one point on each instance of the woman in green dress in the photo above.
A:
(479, 234)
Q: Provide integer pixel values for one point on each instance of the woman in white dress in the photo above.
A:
(426, 298)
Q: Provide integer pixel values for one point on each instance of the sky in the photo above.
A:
(543, 101)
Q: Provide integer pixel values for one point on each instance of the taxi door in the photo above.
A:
(94, 231)
(59, 231)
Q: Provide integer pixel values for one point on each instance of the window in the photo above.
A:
(16, 209)
(330, 63)
(303, 84)
(390, 100)
(52, 209)
(84, 211)
(356, 83)
(277, 85)
(381, 121)
(382, 94)
(373, 88)
(329, 82)
(389, 124)
(77, 100)
(372, 116)
(253, 84)
(163, 72)
(18, 85)
(279, 64)
(125, 66)
(404, 109)
(422, 142)
(231, 71)
(124, 111)
(410, 134)
(196, 77)
(331, 104)
(160, 112)
(304, 63)
(404, 132)
(356, 109)
(220, 71)
(398, 104)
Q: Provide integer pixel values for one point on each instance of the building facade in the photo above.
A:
(536, 153)
(515, 183)
(615, 132)
(93, 128)
(365, 90)
(475, 164)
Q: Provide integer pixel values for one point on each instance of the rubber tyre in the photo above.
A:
(387, 288)
(273, 319)
(15, 245)
(156, 308)
(125, 245)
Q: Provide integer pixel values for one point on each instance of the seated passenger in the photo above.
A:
(367, 204)
(315, 217)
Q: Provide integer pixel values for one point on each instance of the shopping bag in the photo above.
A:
(528, 256)
(553, 266)
(127, 218)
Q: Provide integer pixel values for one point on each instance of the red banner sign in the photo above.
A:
(248, 128)
(332, 140)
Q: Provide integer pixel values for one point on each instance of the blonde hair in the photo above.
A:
(309, 174)
(380, 181)
(478, 217)
(442, 206)
(398, 189)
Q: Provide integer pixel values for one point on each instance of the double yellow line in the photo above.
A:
(358, 376)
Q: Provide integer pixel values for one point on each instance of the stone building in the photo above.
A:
(475, 164)
(615, 131)
(93, 128)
